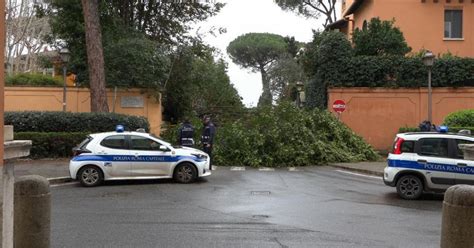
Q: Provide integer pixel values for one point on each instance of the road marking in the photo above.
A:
(237, 168)
(357, 174)
(293, 169)
(214, 167)
(266, 169)
(63, 184)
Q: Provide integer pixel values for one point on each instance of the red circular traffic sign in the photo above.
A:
(339, 106)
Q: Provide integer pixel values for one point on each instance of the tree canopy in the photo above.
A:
(379, 37)
(311, 8)
(257, 51)
(166, 23)
(198, 85)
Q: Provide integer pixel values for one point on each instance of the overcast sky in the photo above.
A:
(245, 16)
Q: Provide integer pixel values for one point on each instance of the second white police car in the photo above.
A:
(134, 155)
(428, 162)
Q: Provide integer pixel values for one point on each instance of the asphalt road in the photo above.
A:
(315, 207)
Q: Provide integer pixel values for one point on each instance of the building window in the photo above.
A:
(453, 24)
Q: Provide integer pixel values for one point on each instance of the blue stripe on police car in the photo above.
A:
(430, 166)
(128, 158)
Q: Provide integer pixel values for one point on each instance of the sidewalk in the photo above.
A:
(373, 168)
(56, 171)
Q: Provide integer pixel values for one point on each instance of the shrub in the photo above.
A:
(380, 38)
(463, 118)
(286, 136)
(27, 79)
(36, 121)
(52, 144)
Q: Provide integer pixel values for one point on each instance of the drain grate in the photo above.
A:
(260, 192)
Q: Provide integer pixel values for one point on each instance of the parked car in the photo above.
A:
(124, 155)
(428, 162)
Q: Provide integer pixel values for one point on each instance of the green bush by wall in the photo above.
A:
(51, 144)
(38, 121)
(27, 79)
(463, 118)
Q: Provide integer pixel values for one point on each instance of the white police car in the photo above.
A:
(428, 162)
(134, 155)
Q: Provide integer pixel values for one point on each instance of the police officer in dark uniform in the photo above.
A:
(186, 134)
(207, 138)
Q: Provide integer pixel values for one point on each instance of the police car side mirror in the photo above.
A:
(164, 148)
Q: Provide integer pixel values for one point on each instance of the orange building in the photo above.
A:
(441, 26)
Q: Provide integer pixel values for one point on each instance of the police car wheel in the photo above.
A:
(185, 173)
(409, 187)
(90, 176)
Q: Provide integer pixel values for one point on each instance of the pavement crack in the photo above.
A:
(279, 243)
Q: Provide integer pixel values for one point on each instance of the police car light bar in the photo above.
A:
(443, 129)
(119, 128)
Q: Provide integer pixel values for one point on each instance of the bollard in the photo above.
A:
(32, 226)
(457, 229)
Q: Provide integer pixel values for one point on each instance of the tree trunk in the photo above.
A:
(95, 56)
(266, 97)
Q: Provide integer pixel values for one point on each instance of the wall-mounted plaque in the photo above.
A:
(132, 102)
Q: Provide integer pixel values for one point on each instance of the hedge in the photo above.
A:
(464, 118)
(26, 79)
(397, 71)
(51, 144)
(36, 121)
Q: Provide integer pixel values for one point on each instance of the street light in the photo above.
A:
(428, 60)
(65, 55)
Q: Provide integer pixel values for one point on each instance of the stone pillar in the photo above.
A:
(32, 227)
(457, 230)
(468, 151)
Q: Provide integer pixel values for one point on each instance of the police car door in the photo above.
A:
(433, 158)
(114, 150)
(465, 168)
(148, 160)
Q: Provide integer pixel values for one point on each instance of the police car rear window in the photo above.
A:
(408, 146)
(114, 142)
(84, 143)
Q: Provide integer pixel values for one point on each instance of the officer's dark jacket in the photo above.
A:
(208, 133)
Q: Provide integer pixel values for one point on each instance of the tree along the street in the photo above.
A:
(198, 84)
(168, 22)
(124, 22)
(95, 56)
(258, 51)
(311, 8)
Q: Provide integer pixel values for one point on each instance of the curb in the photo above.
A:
(59, 180)
(368, 172)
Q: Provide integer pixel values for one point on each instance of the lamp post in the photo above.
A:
(299, 98)
(64, 54)
(428, 60)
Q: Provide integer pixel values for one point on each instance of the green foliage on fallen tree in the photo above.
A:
(286, 136)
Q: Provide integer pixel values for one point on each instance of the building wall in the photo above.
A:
(376, 114)
(78, 100)
(422, 23)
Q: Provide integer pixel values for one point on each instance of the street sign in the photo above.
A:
(339, 106)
